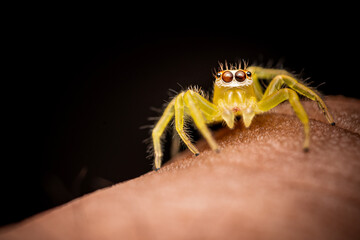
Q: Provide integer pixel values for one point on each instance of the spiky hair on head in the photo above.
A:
(240, 64)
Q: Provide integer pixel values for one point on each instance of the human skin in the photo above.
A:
(260, 186)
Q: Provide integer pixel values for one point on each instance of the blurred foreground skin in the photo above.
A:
(260, 186)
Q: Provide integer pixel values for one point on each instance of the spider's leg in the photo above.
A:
(265, 74)
(158, 131)
(279, 77)
(179, 123)
(274, 86)
(277, 97)
(307, 92)
(209, 110)
(257, 87)
(196, 112)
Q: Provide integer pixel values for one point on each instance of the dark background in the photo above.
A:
(79, 91)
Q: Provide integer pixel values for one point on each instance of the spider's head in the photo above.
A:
(233, 78)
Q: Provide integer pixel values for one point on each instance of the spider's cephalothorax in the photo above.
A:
(237, 92)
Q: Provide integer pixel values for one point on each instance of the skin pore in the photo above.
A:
(260, 185)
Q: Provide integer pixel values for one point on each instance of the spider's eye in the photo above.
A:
(227, 76)
(240, 76)
(248, 73)
(218, 74)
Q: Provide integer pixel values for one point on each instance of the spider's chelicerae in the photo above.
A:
(237, 92)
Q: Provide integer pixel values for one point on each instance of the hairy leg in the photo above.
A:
(257, 87)
(209, 110)
(179, 123)
(198, 118)
(208, 114)
(279, 77)
(266, 74)
(158, 131)
(307, 92)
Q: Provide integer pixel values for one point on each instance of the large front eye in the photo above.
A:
(227, 76)
(240, 76)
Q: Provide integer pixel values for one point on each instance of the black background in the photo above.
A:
(79, 90)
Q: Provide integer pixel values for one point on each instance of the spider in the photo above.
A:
(237, 92)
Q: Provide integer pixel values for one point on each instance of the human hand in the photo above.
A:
(260, 186)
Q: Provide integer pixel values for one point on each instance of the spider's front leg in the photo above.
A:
(174, 108)
(179, 123)
(300, 88)
(274, 95)
(186, 103)
(158, 131)
(279, 77)
(202, 111)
